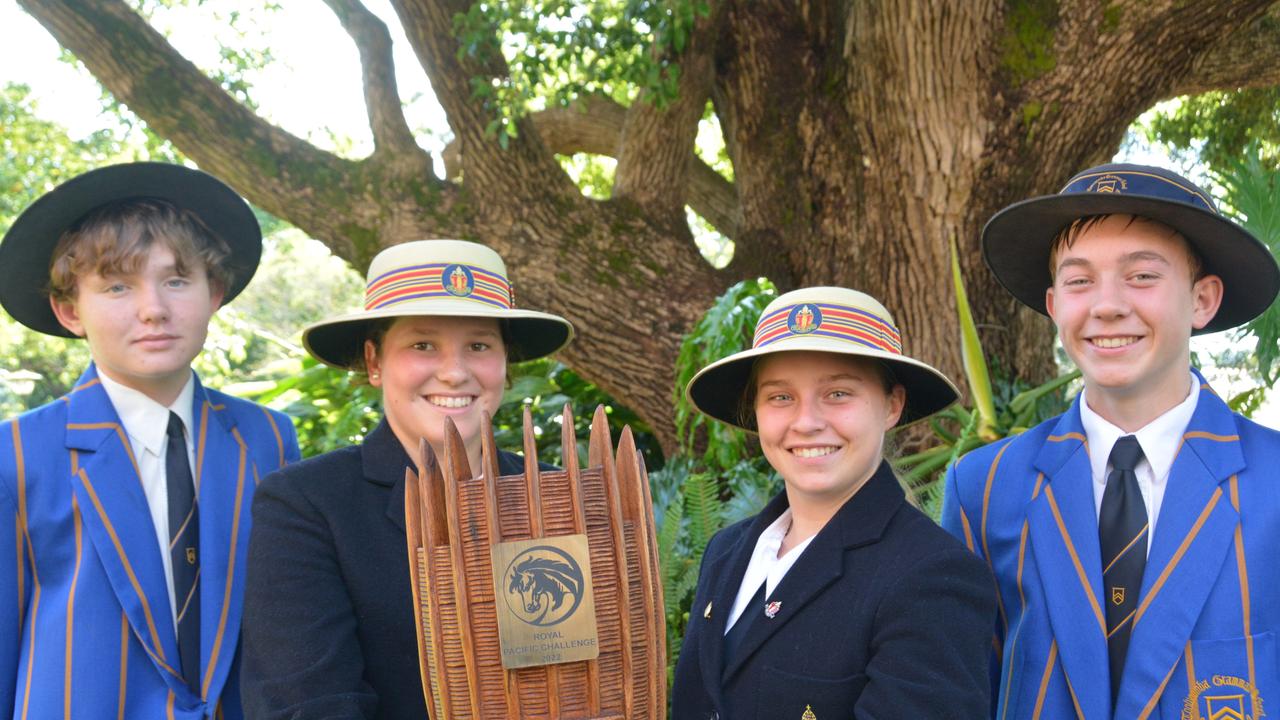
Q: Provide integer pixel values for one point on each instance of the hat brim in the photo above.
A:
(1017, 240)
(717, 390)
(339, 342)
(27, 248)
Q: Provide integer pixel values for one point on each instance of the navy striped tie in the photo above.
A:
(184, 544)
(1122, 532)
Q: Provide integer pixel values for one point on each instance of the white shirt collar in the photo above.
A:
(145, 420)
(765, 566)
(1159, 438)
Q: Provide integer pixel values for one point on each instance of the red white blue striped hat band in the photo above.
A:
(445, 278)
(821, 319)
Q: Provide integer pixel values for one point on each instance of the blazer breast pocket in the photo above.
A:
(1234, 678)
(787, 696)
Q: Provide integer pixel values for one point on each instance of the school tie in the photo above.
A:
(184, 543)
(1122, 532)
(734, 637)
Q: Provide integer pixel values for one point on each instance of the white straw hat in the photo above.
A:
(821, 319)
(444, 278)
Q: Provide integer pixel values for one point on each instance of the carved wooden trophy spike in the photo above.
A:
(537, 595)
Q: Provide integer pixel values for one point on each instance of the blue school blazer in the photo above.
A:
(1204, 633)
(82, 589)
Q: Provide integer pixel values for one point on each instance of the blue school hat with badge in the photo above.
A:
(27, 249)
(1016, 241)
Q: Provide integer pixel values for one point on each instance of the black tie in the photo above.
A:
(1122, 532)
(184, 542)
(733, 638)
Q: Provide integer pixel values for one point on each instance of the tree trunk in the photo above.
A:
(864, 136)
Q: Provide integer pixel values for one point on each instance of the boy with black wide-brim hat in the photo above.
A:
(1132, 538)
(124, 506)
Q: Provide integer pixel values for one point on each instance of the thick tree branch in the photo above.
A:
(1114, 61)
(493, 172)
(594, 125)
(657, 142)
(1248, 57)
(327, 196)
(391, 132)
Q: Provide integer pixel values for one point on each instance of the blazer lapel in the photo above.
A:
(225, 475)
(1192, 541)
(384, 460)
(1063, 525)
(859, 522)
(108, 489)
(724, 573)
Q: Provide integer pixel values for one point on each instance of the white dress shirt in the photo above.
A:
(766, 565)
(1159, 440)
(146, 423)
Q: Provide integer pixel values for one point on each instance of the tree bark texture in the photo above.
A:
(864, 136)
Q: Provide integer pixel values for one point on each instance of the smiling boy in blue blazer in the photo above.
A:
(1133, 537)
(124, 505)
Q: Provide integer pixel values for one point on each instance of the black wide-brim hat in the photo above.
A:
(27, 249)
(1017, 240)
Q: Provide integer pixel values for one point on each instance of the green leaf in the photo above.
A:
(975, 363)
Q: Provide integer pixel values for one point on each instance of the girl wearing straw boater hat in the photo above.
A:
(329, 627)
(840, 599)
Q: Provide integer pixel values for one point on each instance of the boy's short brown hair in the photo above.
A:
(1069, 234)
(116, 239)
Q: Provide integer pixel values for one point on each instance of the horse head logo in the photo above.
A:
(544, 585)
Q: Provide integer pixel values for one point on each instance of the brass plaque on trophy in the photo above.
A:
(549, 613)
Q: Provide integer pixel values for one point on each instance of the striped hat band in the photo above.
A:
(844, 323)
(438, 280)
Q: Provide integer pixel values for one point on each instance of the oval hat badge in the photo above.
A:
(804, 319)
(458, 280)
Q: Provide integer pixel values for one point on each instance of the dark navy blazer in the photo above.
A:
(883, 616)
(328, 620)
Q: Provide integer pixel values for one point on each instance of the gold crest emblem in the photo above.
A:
(1108, 184)
(808, 714)
(191, 556)
(1222, 697)
(1117, 595)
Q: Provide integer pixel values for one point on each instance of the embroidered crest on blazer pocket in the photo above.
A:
(1233, 678)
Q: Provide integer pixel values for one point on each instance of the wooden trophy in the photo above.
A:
(537, 595)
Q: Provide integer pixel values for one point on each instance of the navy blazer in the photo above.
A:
(883, 616)
(328, 619)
